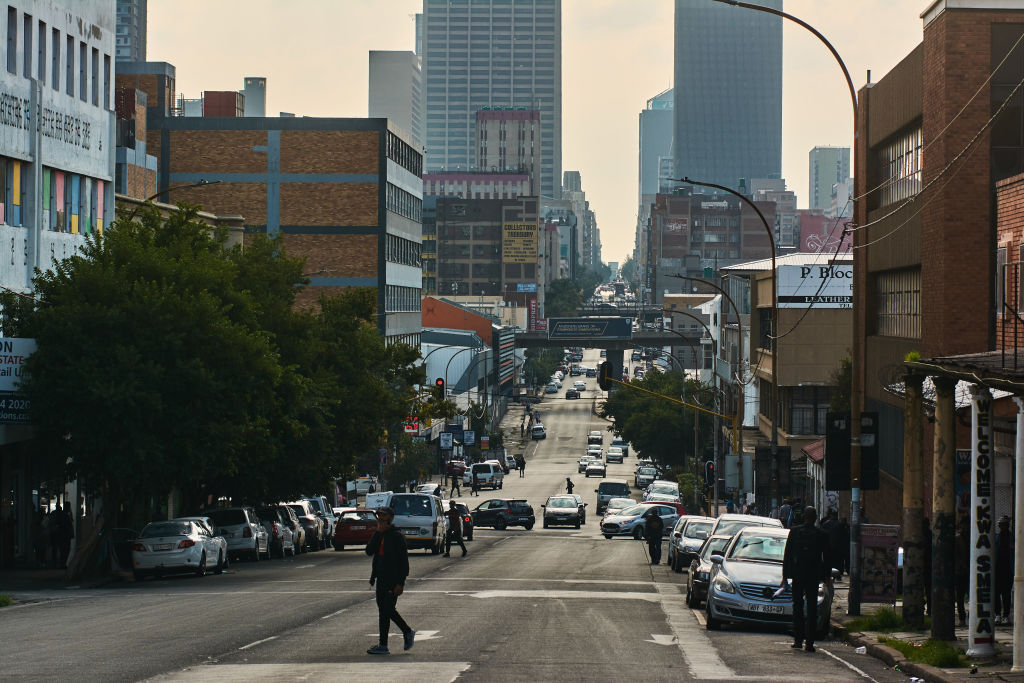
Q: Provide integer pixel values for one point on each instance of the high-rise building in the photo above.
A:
(728, 92)
(509, 140)
(828, 166)
(395, 83)
(589, 240)
(787, 224)
(130, 31)
(655, 142)
(491, 54)
(255, 92)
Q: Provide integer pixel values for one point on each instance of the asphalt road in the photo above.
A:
(539, 605)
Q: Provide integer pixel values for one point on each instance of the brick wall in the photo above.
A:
(248, 200)
(1010, 235)
(330, 151)
(217, 151)
(328, 204)
(339, 255)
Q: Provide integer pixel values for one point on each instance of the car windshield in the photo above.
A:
(698, 529)
(166, 529)
(227, 517)
(757, 548)
(665, 490)
(733, 526)
(649, 471)
(359, 516)
(414, 506)
(715, 544)
(635, 511)
(561, 503)
(620, 503)
(298, 510)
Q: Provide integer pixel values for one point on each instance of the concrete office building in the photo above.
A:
(255, 93)
(491, 54)
(476, 185)
(589, 239)
(827, 166)
(509, 140)
(786, 222)
(395, 90)
(728, 92)
(130, 39)
(656, 123)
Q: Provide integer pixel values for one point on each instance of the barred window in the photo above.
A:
(899, 169)
(400, 250)
(404, 203)
(403, 154)
(399, 299)
(764, 399)
(898, 303)
(808, 407)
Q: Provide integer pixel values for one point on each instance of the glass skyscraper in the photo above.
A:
(494, 54)
(728, 92)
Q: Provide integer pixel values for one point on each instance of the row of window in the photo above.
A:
(899, 165)
(404, 203)
(72, 203)
(400, 250)
(399, 299)
(76, 57)
(403, 154)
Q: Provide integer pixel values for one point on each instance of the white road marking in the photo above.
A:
(845, 663)
(699, 654)
(661, 639)
(334, 614)
(257, 642)
(374, 669)
(420, 635)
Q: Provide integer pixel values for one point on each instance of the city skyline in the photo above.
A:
(603, 89)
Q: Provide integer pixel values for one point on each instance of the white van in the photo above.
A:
(487, 474)
(420, 518)
(538, 432)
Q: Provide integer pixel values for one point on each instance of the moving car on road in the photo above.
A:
(501, 513)
(596, 468)
(579, 385)
(488, 474)
(595, 437)
(583, 463)
(572, 393)
(630, 522)
(616, 504)
(662, 491)
(700, 569)
(355, 527)
(561, 510)
(421, 519)
(645, 476)
(538, 432)
(619, 442)
(609, 489)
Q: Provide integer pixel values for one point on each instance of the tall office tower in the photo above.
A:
(419, 35)
(728, 92)
(255, 92)
(828, 166)
(487, 54)
(130, 31)
(395, 90)
(655, 141)
(588, 237)
(509, 140)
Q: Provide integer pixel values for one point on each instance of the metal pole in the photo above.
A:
(1018, 533)
(913, 504)
(941, 603)
(981, 627)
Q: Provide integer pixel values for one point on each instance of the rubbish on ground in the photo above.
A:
(861, 650)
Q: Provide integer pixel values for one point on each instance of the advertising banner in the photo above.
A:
(446, 440)
(820, 286)
(531, 315)
(590, 328)
(879, 548)
(519, 243)
(469, 437)
(14, 406)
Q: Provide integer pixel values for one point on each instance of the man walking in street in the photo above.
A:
(521, 465)
(476, 484)
(456, 490)
(390, 569)
(454, 530)
(806, 561)
(569, 486)
(654, 527)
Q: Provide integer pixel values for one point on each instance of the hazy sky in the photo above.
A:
(615, 55)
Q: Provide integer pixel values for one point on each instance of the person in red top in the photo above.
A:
(454, 530)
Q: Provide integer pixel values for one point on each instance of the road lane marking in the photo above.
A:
(700, 654)
(257, 642)
(420, 635)
(845, 663)
(393, 671)
(334, 614)
(661, 639)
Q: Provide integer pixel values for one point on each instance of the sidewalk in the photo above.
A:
(996, 668)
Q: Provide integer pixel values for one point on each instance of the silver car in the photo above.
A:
(686, 539)
(244, 532)
(630, 522)
(744, 581)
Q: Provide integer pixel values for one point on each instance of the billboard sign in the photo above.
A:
(446, 440)
(469, 437)
(13, 354)
(590, 328)
(519, 243)
(879, 544)
(820, 286)
(526, 287)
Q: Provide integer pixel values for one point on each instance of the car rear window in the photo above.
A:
(228, 517)
(413, 506)
(359, 516)
(299, 510)
(166, 529)
(268, 514)
(613, 489)
(734, 526)
(521, 505)
(698, 529)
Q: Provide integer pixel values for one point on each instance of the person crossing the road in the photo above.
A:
(390, 569)
(454, 530)
(806, 561)
(569, 485)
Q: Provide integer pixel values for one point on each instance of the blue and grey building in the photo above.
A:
(491, 53)
(728, 92)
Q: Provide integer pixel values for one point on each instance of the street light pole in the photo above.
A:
(168, 190)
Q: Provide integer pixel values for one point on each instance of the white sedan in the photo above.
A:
(176, 546)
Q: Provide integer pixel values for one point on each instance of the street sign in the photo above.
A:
(524, 287)
(412, 425)
(446, 440)
(469, 437)
(589, 329)
(485, 443)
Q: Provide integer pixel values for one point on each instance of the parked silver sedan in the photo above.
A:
(174, 546)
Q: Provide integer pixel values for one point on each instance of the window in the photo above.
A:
(106, 82)
(403, 203)
(900, 168)
(83, 72)
(764, 323)
(55, 59)
(41, 52)
(12, 40)
(26, 37)
(69, 75)
(4, 184)
(764, 396)
(1000, 280)
(95, 77)
(808, 407)
(898, 303)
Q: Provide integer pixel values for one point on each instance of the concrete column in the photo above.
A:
(1018, 532)
(913, 505)
(981, 634)
(943, 511)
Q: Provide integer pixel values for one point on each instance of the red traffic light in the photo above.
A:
(439, 382)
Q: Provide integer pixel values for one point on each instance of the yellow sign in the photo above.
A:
(519, 243)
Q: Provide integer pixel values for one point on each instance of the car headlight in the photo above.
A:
(724, 585)
(703, 576)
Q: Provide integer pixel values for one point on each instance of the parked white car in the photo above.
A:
(243, 531)
(662, 491)
(221, 542)
(176, 546)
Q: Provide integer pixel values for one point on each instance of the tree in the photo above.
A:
(628, 270)
(842, 380)
(541, 364)
(562, 299)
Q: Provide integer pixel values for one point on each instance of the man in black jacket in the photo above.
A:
(654, 528)
(806, 561)
(390, 568)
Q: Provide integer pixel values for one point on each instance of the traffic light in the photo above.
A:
(439, 388)
(603, 372)
(709, 473)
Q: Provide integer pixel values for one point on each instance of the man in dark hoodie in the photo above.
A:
(390, 568)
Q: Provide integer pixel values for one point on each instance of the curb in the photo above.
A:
(895, 658)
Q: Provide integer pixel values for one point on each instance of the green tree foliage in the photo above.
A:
(658, 428)
(167, 361)
(562, 299)
(589, 278)
(628, 270)
(541, 364)
(408, 461)
(842, 380)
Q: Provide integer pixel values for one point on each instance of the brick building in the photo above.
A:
(926, 272)
(345, 194)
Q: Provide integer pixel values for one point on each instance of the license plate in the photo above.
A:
(767, 609)
(409, 532)
(357, 528)
(163, 546)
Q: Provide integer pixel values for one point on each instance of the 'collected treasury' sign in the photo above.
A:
(519, 243)
(820, 286)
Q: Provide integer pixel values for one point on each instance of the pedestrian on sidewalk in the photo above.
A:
(806, 562)
(1004, 571)
(62, 530)
(654, 527)
(390, 569)
(962, 563)
(454, 530)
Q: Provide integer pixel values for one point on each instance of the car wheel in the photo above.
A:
(689, 597)
(201, 569)
(711, 623)
(501, 484)
(269, 555)
(500, 524)
(638, 533)
(254, 554)
(529, 526)
(435, 549)
(219, 569)
(546, 524)
(577, 524)
(338, 547)
(138, 574)
(608, 536)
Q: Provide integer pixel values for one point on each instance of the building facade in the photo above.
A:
(477, 184)
(491, 54)
(254, 91)
(396, 90)
(728, 92)
(509, 140)
(827, 166)
(130, 39)
(786, 223)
